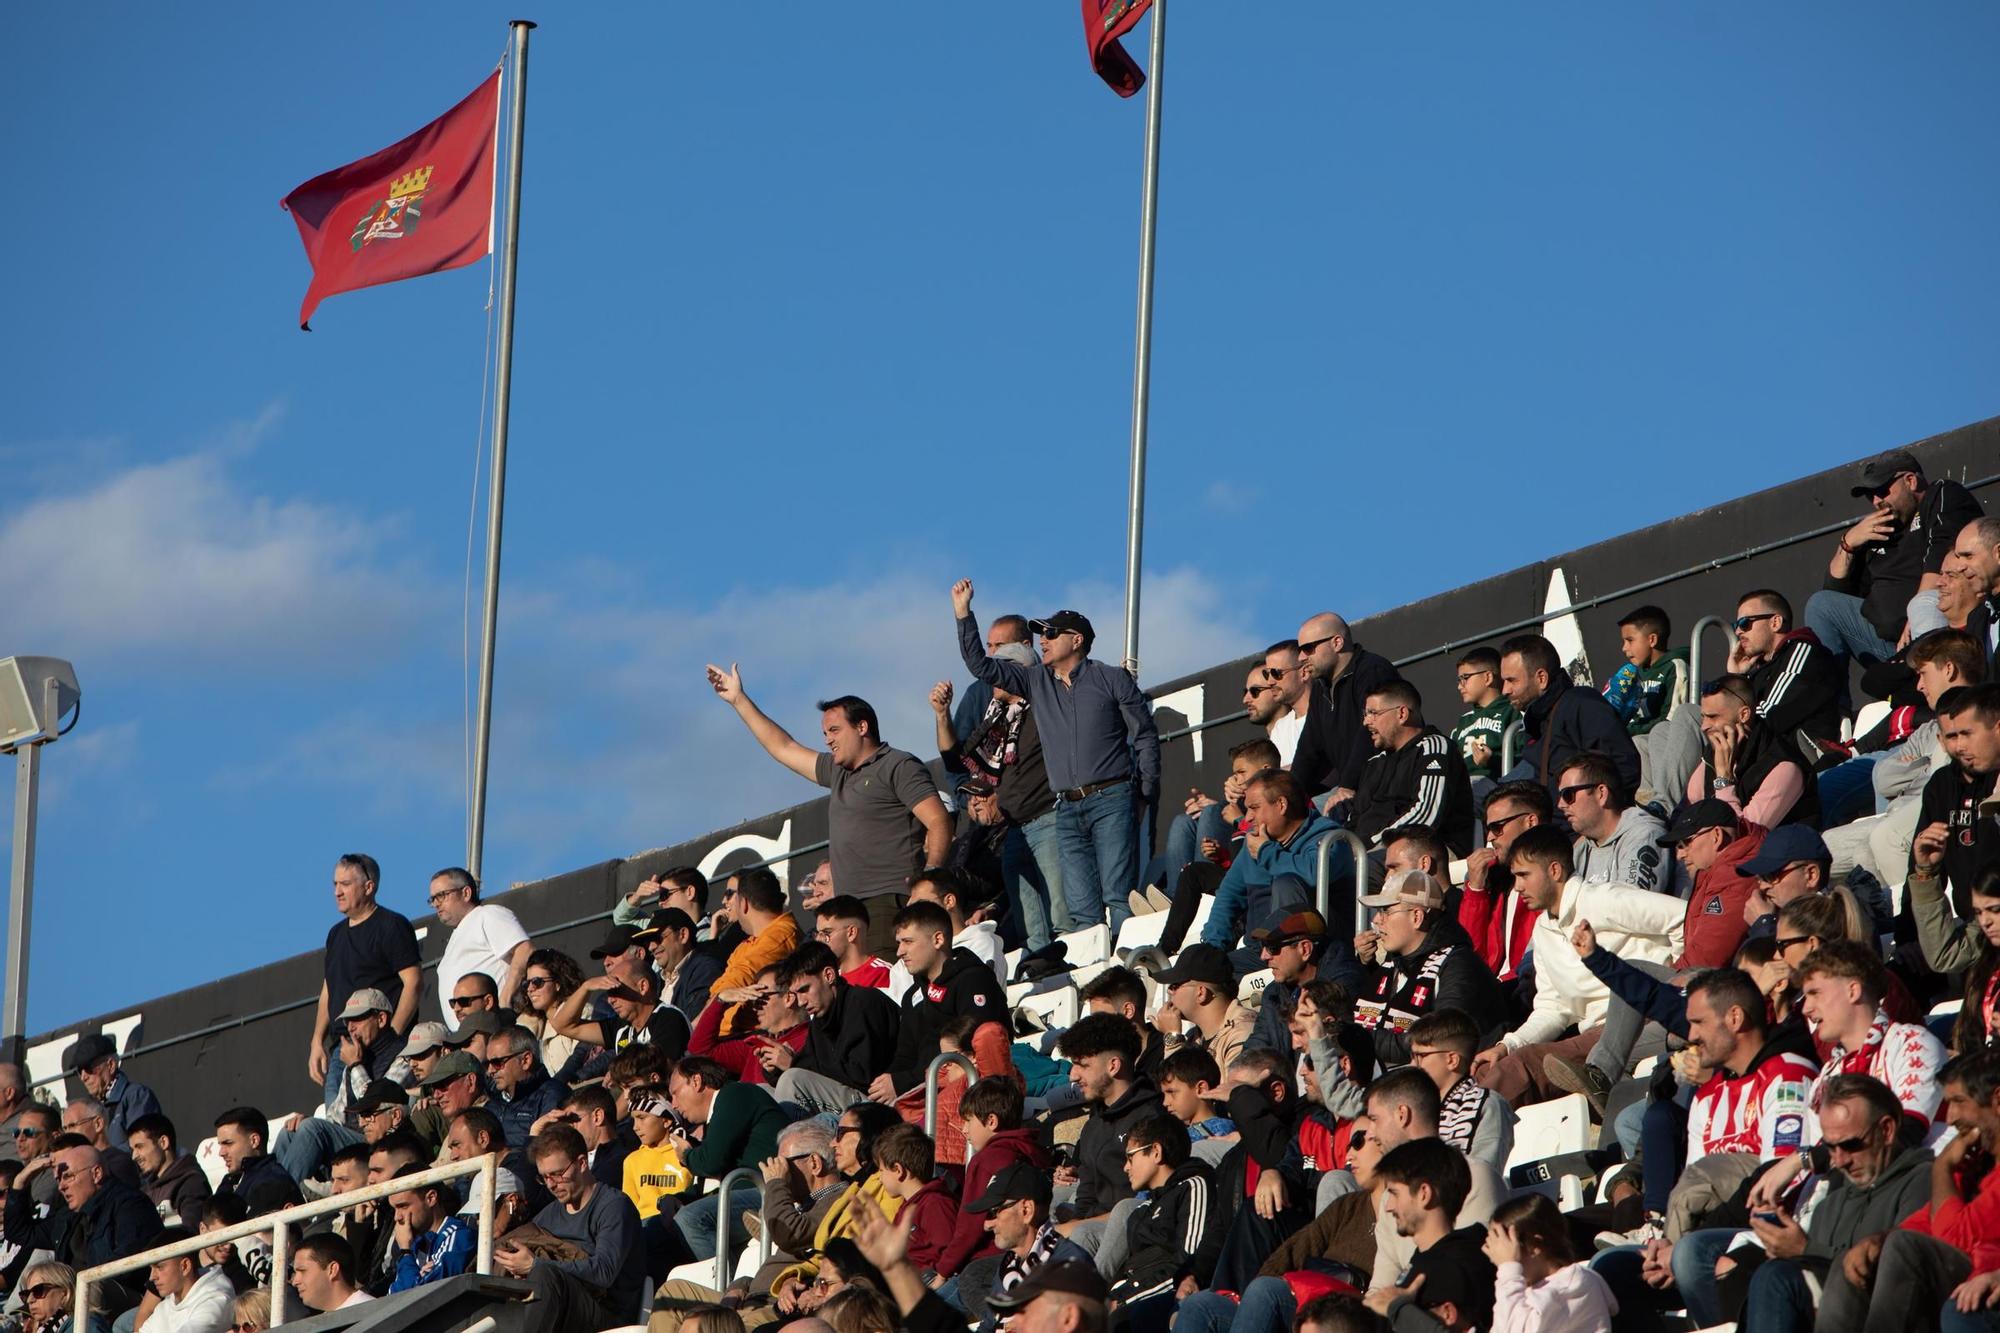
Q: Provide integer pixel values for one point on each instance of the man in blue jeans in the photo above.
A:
(1099, 744)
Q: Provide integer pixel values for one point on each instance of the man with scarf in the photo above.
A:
(997, 768)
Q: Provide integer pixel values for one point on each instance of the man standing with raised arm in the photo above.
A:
(1099, 745)
(885, 819)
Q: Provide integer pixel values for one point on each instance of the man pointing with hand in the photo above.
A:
(1099, 744)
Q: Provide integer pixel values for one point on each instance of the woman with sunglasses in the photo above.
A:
(47, 1292)
(253, 1311)
(549, 979)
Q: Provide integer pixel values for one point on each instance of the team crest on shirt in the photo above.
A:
(979, 1001)
(1713, 906)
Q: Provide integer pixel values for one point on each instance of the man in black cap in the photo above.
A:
(94, 1060)
(686, 973)
(1882, 579)
(478, 1029)
(1015, 1209)
(1201, 989)
(1099, 745)
(639, 1018)
(1290, 944)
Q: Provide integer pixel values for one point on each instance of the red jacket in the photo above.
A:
(1715, 926)
(1972, 1225)
(932, 1216)
(738, 1054)
(969, 1239)
(1484, 914)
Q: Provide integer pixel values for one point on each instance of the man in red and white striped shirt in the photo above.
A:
(1755, 1102)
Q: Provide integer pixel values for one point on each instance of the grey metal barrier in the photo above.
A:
(279, 1225)
(1695, 658)
(1507, 741)
(1323, 888)
(723, 1214)
(931, 1084)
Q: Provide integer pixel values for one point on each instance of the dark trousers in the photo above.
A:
(1914, 1277)
(1196, 879)
(564, 1303)
(882, 909)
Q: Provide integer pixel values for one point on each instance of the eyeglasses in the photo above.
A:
(39, 1290)
(552, 1177)
(1416, 1055)
(1565, 795)
(1464, 676)
(1784, 942)
(1381, 712)
(436, 899)
(536, 983)
(464, 1001)
(1743, 623)
(1493, 826)
(1130, 1153)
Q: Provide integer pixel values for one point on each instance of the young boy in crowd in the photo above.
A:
(1654, 677)
(1424, 1184)
(653, 1170)
(1478, 731)
(906, 1164)
(1476, 1121)
(1190, 1086)
(990, 1114)
(1175, 1232)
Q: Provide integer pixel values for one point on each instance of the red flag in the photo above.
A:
(1104, 22)
(420, 206)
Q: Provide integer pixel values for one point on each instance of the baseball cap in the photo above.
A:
(451, 1065)
(367, 1000)
(618, 941)
(1695, 816)
(672, 918)
(1072, 1277)
(424, 1038)
(505, 1182)
(88, 1051)
(1020, 654)
(485, 1023)
(1014, 1181)
(1411, 887)
(1880, 470)
(1784, 845)
(1063, 621)
(1200, 962)
(381, 1093)
(1284, 927)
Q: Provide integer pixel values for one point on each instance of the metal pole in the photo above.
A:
(281, 1239)
(483, 1191)
(20, 908)
(1507, 741)
(503, 383)
(931, 1083)
(1695, 659)
(724, 1261)
(1142, 368)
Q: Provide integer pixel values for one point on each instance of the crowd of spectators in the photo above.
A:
(1759, 947)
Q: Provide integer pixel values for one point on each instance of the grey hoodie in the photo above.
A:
(1850, 1212)
(1632, 855)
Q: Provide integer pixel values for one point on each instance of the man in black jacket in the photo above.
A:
(1103, 1051)
(1953, 839)
(100, 1219)
(1175, 1234)
(850, 1034)
(1333, 746)
(1561, 720)
(1423, 962)
(1743, 758)
(945, 983)
(1416, 775)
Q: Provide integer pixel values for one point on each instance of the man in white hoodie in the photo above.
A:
(1636, 924)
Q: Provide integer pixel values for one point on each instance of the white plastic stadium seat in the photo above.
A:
(1089, 972)
(1550, 1129)
(1141, 932)
(1091, 945)
(1252, 987)
(1056, 1008)
(1870, 716)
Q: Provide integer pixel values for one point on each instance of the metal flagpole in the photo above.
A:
(1142, 369)
(510, 246)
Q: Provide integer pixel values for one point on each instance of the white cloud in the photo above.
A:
(181, 560)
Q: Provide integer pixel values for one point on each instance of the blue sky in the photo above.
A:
(819, 313)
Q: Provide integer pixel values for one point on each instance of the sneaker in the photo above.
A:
(1577, 1076)
(1161, 902)
(753, 1222)
(1653, 1228)
(1140, 904)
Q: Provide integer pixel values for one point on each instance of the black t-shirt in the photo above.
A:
(666, 1029)
(1917, 550)
(1456, 1269)
(369, 954)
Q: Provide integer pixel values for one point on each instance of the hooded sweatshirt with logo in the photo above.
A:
(965, 985)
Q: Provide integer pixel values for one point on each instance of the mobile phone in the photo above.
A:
(1771, 1218)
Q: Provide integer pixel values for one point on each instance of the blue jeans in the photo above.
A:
(1267, 1307)
(697, 1220)
(1836, 619)
(1693, 1263)
(309, 1149)
(1100, 855)
(1663, 1140)
(1779, 1301)
(1953, 1320)
(1031, 868)
(1184, 837)
(1847, 791)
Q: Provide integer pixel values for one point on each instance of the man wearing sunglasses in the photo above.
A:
(1332, 745)
(1883, 577)
(1099, 746)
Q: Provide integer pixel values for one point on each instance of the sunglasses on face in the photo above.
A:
(39, 1290)
(535, 983)
(27, 1132)
(1358, 1139)
(1848, 1146)
(1306, 648)
(1743, 623)
(1565, 795)
(1255, 691)
(1784, 942)
(465, 1001)
(1495, 825)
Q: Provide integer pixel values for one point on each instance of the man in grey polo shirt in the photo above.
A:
(885, 819)
(1099, 745)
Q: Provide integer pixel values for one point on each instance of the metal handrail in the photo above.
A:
(279, 1225)
(722, 1214)
(931, 1083)
(1507, 739)
(1323, 889)
(1701, 627)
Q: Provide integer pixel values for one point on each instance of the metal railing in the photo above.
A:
(723, 1212)
(1701, 627)
(278, 1224)
(1323, 886)
(1507, 742)
(931, 1084)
